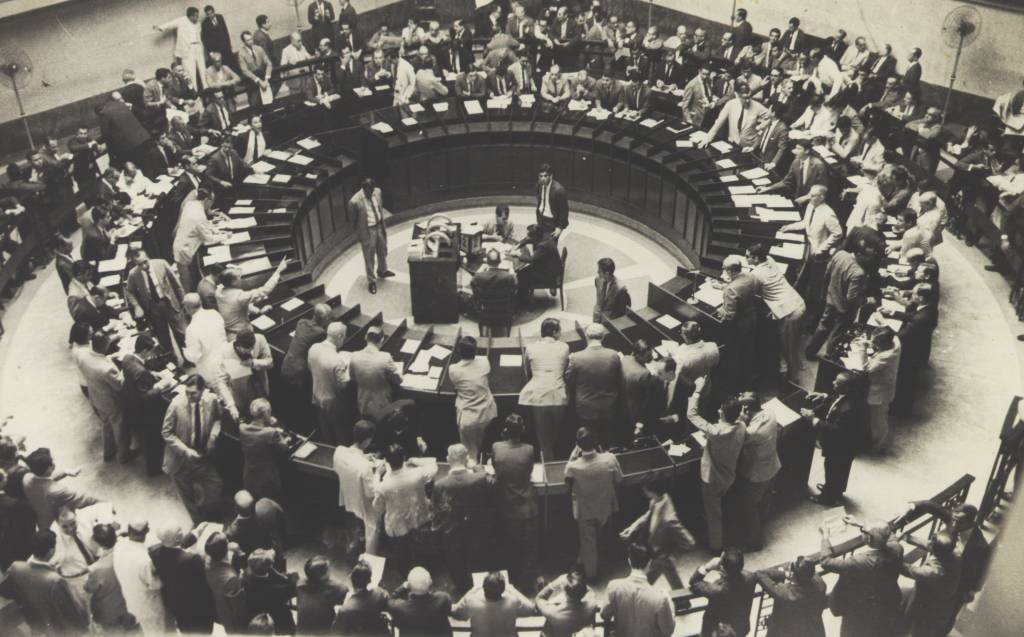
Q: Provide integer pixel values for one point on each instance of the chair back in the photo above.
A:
(561, 270)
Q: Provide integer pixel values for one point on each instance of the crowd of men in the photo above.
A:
(754, 93)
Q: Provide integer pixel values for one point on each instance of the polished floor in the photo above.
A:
(976, 369)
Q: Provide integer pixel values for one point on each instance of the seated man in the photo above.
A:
(472, 83)
(554, 88)
(541, 266)
(492, 286)
(501, 229)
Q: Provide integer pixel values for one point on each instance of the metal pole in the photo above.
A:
(732, 16)
(952, 78)
(21, 109)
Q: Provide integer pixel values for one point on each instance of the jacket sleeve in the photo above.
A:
(168, 431)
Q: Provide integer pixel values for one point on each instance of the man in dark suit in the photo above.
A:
(317, 597)
(884, 65)
(226, 167)
(17, 526)
(730, 595)
(154, 293)
(839, 428)
(347, 37)
(143, 401)
(552, 203)
(269, 590)
(739, 317)
(225, 583)
(912, 76)
(416, 609)
(133, 94)
(216, 118)
(492, 283)
(773, 138)
(540, 267)
(806, 171)
(106, 602)
(42, 593)
(794, 40)
(214, 34)
(919, 322)
(669, 72)
(349, 72)
(458, 58)
(462, 505)
(124, 136)
(257, 525)
(185, 591)
(593, 380)
(320, 14)
(836, 45)
(867, 595)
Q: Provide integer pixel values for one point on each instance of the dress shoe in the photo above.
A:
(811, 356)
(372, 287)
(386, 274)
(822, 500)
(820, 486)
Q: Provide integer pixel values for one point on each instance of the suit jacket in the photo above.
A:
(212, 120)
(375, 375)
(421, 615)
(316, 602)
(636, 96)
(694, 102)
(360, 206)
(638, 391)
(835, 48)
(739, 303)
(471, 85)
(178, 432)
(17, 526)
(218, 166)
(868, 582)
(106, 600)
(916, 336)
(839, 432)
(133, 95)
(137, 287)
(185, 590)
(817, 173)
(668, 71)
(254, 64)
(215, 37)
(493, 283)
(45, 599)
(345, 78)
(594, 378)
(271, 594)
(264, 41)
(559, 201)
(121, 130)
(262, 530)
(883, 66)
(462, 501)
(912, 77)
(460, 47)
(729, 602)
(608, 94)
(104, 382)
(772, 142)
(543, 265)
(225, 585)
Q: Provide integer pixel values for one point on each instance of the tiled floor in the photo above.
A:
(976, 368)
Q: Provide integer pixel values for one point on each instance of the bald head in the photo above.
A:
(458, 455)
(192, 303)
(170, 535)
(137, 530)
(244, 503)
(336, 332)
(419, 581)
(595, 332)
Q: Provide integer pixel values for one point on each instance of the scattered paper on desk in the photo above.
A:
(701, 439)
(237, 237)
(383, 128)
(255, 265)
(258, 179)
(788, 250)
(292, 304)
(761, 181)
(439, 351)
(279, 155)
(728, 179)
(240, 211)
(263, 323)
(419, 381)
(725, 163)
(473, 107)
(410, 121)
(421, 365)
(721, 146)
(441, 107)
(578, 106)
(304, 451)
(416, 108)
(678, 450)
(263, 167)
(708, 294)
(527, 100)
(741, 190)
(537, 475)
(362, 91)
(218, 254)
(650, 122)
(782, 412)
(301, 160)
(377, 564)
(510, 360)
(110, 281)
(754, 173)
(308, 144)
(435, 372)
(410, 346)
(112, 265)
(281, 179)
(668, 321)
(892, 305)
(684, 143)
(768, 214)
(240, 223)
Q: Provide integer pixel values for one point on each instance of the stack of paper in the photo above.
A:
(788, 250)
(473, 107)
(599, 114)
(419, 381)
(725, 163)
(110, 281)
(783, 414)
(240, 211)
(421, 364)
(237, 237)
(578, 106)
(362, 91)
(684, 143)
(722, 146)
(281, 179)
(741, 190)
(292, 304)
(300, 159)
(439, 351)
(279, 155)
(383, 128)
(440, 107)
(112, 265)
(304, 451)
(308, 144)
(410, 346)
(240, 223)
(794, 237)
(410, 121)
(510, 360)
(416, 108)
(650, 122)
(253, 266)
(708, 294)
(258, 179)
(786, 216)
(263, 167)
(729, 179)
(263, 323)
(668, 321)
(754, 173)
(218, 254)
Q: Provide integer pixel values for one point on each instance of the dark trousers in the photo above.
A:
(837, 475)
(522, 543)
(832, 321)
(458, 544)
(811, 284)
(661, 564)
(147, 419)
(167, 324)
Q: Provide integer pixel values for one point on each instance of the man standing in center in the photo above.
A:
(593, 379)
(190, 431)
(375, 375)
(155, 293)
(552, 203)
(593, 478)
(368, 206)
(513, 472)
(328, 365)
(461, 502)
(718, 464)
(474, 405)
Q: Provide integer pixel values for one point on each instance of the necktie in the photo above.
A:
(739, 122)
(231, 167)
(376, 213)
(810, 219)
(767, 136)
(501, 85)
(225, 119)
(707, 91)
(803, 176)
(543, 199)
(154, 293)
(638, 97)
(89, 559)
(197, 428)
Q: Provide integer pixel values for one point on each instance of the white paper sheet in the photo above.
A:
(510, 360)
(263, 323)
(668, 321)
(410, 346)
(292, 304)
(308, 144)
(783, 414)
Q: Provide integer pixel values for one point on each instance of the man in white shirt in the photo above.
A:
(405, 81)
(256, 143)
(328, 366)
(294, 53)
(783, 301)
(743, 115)
(139, 582)
(194, 229)
(356, 481)
(401, 498)
(869, 200)
(133, 182)
(856, 56)
(817, 118)
(205, 338)
(821, 227)
(188, 45)
(74, 553)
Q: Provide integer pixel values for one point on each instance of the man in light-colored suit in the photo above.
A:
(554, 88)
(194, 229)
(368, 207)
(155, 293)
(740, 116)
(188, 44)
(42, 593)
(44, 491)
(772, 138)
(593, 378)
(375, 375)
(109, 609)
(329, 367)
(697, 97)
(255, 66)
(190, 431)
(105, 382)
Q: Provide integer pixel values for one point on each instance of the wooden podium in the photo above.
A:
(433, 281)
